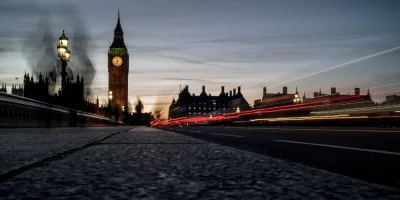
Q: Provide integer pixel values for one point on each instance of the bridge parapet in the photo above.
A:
(16, 111)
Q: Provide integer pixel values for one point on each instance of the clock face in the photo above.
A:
(117, 61)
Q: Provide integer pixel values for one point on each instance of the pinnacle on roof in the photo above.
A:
(63, 36)
(118, 28)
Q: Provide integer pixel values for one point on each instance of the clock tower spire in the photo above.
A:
(118, 69)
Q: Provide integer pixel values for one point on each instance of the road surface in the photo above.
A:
(368, 154)
(148, 163)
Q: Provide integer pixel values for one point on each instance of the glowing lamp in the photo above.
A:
(64, 40)
(67, 55)
(110, 95)
(61, 49)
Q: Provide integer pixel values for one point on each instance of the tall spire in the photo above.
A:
(118, 41)
(118, 28)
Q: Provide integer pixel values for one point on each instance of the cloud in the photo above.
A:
(185, 79)
(150, 48)
(204, 81)
(186, 60)
(153, 71)
(3, 50)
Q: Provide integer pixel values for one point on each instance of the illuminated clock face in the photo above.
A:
(117, 61)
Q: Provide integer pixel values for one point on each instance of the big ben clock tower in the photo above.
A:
(118, 69)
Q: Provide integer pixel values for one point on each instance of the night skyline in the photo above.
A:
(252, 45)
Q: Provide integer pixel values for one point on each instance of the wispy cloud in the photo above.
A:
(203, 81)
(186, 60)
(185, 79)
(153, 71)
(3, 50)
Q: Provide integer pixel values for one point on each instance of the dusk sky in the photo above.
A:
(246, 43)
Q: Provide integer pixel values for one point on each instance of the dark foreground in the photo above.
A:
(145, 163)
(364, 153)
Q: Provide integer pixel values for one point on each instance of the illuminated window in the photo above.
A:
(190, 113)
(190, 108)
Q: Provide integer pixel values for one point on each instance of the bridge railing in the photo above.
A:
(17, 111)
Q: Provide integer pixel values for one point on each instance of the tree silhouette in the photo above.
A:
(139, 107)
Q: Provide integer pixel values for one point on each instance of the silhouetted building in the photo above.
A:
(38, 90)
(3, 88)
(275, 99)
(141, 118)
(188, 104)
(17, 90)
(337, 101)
(118, 69)
(333, 90)
(391, 99)
(71, 95)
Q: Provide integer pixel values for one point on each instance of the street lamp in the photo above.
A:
(296, 97)
(110, 96)
(64, 55)
(123, 108)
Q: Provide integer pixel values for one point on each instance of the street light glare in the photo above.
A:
(61, 50)
(64, 42)
(67, 55)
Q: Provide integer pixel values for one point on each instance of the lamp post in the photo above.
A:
(64, 55)
(296, 97)
(110, 97)
(237, 110)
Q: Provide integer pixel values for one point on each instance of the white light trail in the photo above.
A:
(391, 84)
(341, 147)
(339, 66)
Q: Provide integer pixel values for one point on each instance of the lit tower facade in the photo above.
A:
(118, 69)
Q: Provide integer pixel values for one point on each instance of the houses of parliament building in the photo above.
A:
(189, 104)
(71, 93)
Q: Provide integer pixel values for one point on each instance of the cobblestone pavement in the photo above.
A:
(146, 163)
(24, 146)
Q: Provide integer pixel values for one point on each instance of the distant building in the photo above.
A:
(3, 88)
(142, 118)
(339, 101)
(275, 99)
(17, 90)
(71, 95)
(189, 104)
(391, 99)
(38, 90)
